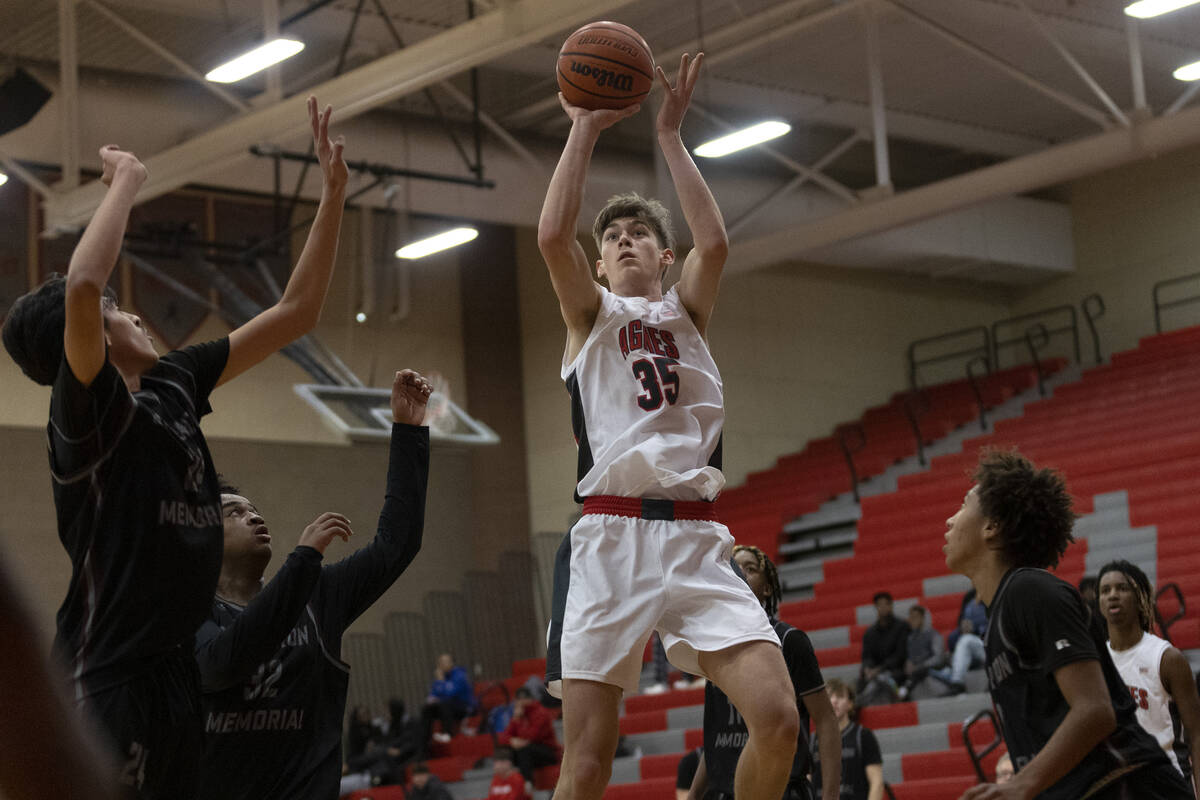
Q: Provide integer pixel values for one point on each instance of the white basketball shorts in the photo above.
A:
(632, 566)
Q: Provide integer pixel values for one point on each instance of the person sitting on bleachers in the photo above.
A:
(451, 698)
(924, 650)
(862, 762)
(884, 648)
(359, 732)
(530, 734)
(427, 786)
(507, 781)
(965, 644)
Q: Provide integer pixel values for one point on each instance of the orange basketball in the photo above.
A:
(605, 65)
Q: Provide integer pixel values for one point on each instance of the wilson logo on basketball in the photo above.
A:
(605, 78)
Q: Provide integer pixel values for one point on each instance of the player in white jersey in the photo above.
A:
(647, 409)
(1158, 675)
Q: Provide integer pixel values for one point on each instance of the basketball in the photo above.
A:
(605, 65)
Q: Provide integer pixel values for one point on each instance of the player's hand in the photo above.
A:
(992, 791)
(410, 395)
(114, 160)
(597, 119)
(323, 529)
(677, 98)
(329, 153)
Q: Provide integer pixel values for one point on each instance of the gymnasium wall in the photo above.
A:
(1133, 227)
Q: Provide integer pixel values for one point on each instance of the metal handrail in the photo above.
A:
(977, 390)
(1090, 317)
(997, 740)
(849, 450)
(1183, 301)
(1032, 332)
(1167, 623)
(1072, 328)
(983, 349)
(914, 414)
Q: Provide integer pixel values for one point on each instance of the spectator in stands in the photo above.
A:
(359, 732)
(884, 649)
(427, 786)
(451, 699)
(965, 644)
(403, 733)
(1066, 716)
(862, 763)
(530, 734)
(1158, 675)
(1089, 590)
(507, 781)
(685, 772)
(1004, 770)
(924, 650)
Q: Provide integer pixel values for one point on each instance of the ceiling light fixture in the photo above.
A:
(3, 178)
(434, 244)
(1144, 9)
(258, 59)
(740, 140)
(1188, 72)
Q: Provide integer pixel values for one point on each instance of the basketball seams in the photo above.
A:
(593, 56)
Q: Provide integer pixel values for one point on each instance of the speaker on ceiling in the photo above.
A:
(21, 96)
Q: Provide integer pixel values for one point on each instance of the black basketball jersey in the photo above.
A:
(274, 682)
(138, 513)
(725, 731)
(860, 749)
(1038, 623)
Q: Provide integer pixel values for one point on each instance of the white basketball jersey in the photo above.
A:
(646, 403)
(1139, 668)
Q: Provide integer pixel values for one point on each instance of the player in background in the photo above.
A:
(1067, 718)
(270, 656)
(1158, 675)
(647, 408)
(856, 749)
(134, 486)
(724, 730)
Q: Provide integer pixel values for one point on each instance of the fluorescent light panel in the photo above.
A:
(434, 244)
(3, 179)
(256, 60)
(1144, 9)
(740, 140)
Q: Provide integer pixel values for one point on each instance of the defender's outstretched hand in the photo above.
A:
(677, 98)
(599, 118)
(410, 395)
(329, 153)
(320, 533)
(114, 159)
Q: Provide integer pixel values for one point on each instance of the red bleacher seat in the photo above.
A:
(378, 793)
(950, 788)
(655, 702)
(661, 766)
(451, 768)
(896, 715)
(654, 789)
(546, 777)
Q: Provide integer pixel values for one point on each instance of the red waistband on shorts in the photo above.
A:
(647, 508)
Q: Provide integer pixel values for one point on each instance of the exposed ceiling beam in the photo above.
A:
(1050, 167)
(511, 26)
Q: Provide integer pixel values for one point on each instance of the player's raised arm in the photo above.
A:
(93, 261)
(299, 308)
(578, 295)
(701, 276)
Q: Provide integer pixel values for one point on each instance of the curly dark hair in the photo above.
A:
(1148, 615)
(226, 486)
(1030, 506)
(771, 604)
(35, 325)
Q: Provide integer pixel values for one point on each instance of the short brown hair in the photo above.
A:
(632, 204)
(840, 687)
